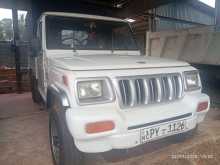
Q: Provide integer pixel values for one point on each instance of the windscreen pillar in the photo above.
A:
(16, 49)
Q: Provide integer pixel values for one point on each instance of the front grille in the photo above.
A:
(144, 90)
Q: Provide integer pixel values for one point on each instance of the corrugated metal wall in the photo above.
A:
(183, 11)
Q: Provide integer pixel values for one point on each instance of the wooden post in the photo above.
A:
(16, 48)
(217, 12)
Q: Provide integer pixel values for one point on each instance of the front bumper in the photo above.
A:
(127, 131)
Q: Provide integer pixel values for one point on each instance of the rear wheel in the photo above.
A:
(34, 90)
(63, 149)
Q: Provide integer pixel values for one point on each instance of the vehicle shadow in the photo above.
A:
(148, 148)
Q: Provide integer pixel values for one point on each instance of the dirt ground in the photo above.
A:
(24, 140)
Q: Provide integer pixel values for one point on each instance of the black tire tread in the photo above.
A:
(70, 155)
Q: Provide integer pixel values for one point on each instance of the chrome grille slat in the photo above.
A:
(152, 94)
(143, 90)
(171, 92)
(146, 91)
(138, 86)
(133, 93)
(159, 90)
(166, 88)
(174, 86)
(122, 86)
(180, 87)
(124, 92)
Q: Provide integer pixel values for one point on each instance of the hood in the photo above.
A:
(112, 62)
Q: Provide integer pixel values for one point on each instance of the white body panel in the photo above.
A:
(122, 138)
(93, 64)
(103, 62)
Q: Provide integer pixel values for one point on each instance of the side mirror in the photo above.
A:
(36, 46)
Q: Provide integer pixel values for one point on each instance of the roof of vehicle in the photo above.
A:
(78, 15)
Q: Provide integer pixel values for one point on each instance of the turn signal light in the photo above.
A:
(98, 127)
(202, 106)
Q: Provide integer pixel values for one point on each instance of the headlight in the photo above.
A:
(94, 91)
(192, 80)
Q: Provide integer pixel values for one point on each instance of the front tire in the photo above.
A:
(63, 149)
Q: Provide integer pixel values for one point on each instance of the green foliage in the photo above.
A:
(6, 28)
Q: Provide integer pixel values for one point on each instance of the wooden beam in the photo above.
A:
(217, 12)
(134, 8)
(20, 4)
(176, 20)
(16, 48)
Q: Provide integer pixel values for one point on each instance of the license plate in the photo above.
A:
(156, 132)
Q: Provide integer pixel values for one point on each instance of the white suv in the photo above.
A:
(102, 94)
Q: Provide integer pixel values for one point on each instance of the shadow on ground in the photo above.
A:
(24, 140)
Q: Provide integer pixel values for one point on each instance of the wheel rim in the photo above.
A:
(55, 141)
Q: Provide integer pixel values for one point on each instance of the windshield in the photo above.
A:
(88, 34)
